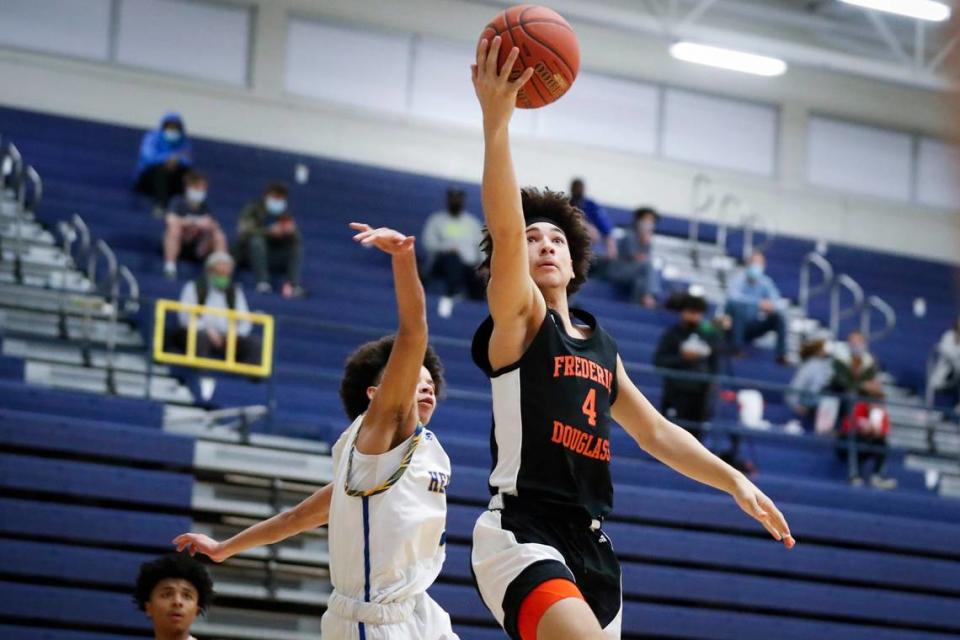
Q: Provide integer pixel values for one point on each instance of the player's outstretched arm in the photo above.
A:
(392, 416)
(511, 292)
(676, 448)
(309, 514)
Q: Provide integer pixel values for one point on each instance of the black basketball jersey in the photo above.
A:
(551, 416)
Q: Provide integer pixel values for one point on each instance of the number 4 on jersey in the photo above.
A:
(590, 407)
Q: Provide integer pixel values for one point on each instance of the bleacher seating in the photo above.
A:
(93, 486)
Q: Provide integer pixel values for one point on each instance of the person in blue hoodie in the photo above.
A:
(166, 154)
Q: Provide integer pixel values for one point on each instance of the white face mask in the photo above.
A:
(275, 206)
(196, 196)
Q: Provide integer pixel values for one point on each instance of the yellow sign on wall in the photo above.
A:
(229, 364)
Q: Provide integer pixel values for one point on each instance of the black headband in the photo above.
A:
(548, 221)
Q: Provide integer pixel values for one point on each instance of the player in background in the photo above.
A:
(173, 590)
(542, 563)
(386, 505)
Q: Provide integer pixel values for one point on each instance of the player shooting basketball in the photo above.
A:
(386, 505)
(543, 565)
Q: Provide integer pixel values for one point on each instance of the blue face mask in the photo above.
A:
(754, 271)
(275, 206)
(857, 350)
(172, 135)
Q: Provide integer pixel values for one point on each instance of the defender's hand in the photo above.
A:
(198, 543)
(386, 239)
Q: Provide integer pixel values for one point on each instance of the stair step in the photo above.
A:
(72, 354)
(131, 385)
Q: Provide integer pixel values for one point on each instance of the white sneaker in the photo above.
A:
(445, 307)
(883, 482)
(170, 270)
(207, 387)
(264, 287)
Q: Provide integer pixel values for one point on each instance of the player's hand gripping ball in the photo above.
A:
(547, 44)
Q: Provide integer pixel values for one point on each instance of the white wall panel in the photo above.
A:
(720, 132)
(199, 40)
(859, 159)
(606, 112)
(938, 168)
(362, 68)
(67, 27)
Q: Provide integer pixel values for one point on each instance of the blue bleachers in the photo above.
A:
(90, 525)
(102, 439)
(869, 565)
(77, 607)
(23, 632)
(89, 480)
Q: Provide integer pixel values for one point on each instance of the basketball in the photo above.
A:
(546, 42)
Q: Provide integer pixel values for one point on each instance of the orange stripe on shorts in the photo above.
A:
(544, 596)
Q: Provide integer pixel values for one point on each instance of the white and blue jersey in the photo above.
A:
(387, 540)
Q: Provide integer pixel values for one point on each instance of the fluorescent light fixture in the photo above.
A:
(729, 59)
(919, 9)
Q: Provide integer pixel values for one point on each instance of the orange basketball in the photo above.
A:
(546, 43)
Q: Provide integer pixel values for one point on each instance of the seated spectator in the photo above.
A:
(216, 289)
(855, 371)
(756, 307)
(190, 227)
(451, 241)
(689, 346)
(856, 375)
(813, 376)
(268, 239)
(172, 591)
(598, 224)
(165, 156)
(945, 376)
(633, 270)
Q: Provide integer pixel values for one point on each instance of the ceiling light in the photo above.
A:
(728, 59)
(919, 9)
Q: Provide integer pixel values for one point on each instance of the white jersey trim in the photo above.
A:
(507, 430)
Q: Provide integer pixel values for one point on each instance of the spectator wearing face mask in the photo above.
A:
(945, 375)
(633, 271)
(190, 227)
(813, 376)
(598, 224)
(451, 241)
(856, 376)
(166, 154)
(756, 307)
(268, 240)
(689, 346)
(217, 290)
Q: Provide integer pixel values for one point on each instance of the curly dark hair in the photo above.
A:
(173, 565)
(553, 206)
(364, 367)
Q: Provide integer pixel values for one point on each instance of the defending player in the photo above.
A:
(386, 505)
(542, 564)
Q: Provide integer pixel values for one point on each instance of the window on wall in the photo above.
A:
(859, 158)
(349, 66)
(441, 83)
(441, 89)
(937, 166)
(720, 132)
(195, 39)
(606, 112)
(67, 27)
